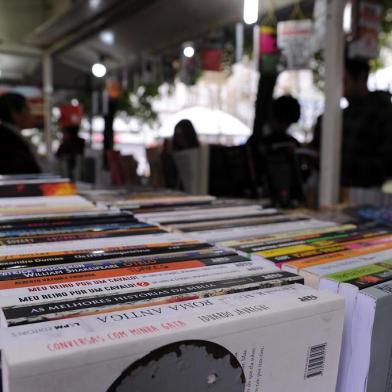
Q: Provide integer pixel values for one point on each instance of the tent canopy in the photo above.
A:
(72, 31)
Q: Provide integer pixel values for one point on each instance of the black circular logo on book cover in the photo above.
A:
(189, 366)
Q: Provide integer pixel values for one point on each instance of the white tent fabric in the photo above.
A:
(206, 122)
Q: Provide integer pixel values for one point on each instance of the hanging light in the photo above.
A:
(107, 37)
(251, 11)
(94, 3)
(347, 17)
(189, 51)
(98, 70)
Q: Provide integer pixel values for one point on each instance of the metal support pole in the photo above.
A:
(47, 92)
(239, 42)
(256, 46)
(332, 120)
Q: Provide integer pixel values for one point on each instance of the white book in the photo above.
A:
(371, 365)
(365, 363)
(208, 214)
(169, 200)
(199, 211)
(278, 339)
(251, 231)
(42, 200)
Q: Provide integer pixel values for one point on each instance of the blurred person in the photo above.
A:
(71, 147)
(185, 136)
(181, 157)
(280, 167)
(285, 111)
(366, 130)
(16, 153)
(71, 144)
(169, 168)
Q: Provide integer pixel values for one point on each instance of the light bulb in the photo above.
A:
(251, 11)
(189, 51)
(107, 37)
(98, 70)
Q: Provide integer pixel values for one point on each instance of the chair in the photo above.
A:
(283, 177)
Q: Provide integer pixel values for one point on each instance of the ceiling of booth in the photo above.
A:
(72, 29)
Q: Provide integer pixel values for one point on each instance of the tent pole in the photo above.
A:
(47, 92)
(332, 120)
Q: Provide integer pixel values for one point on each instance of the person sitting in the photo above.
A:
(185, 136)
(279, 164)
(16, 154)
(189, 158)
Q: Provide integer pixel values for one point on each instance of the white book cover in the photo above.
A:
(240, 341)
(251, 231)
(366, 360)
(371, 366)
(208, 214)
(42, 200)
(200, 211)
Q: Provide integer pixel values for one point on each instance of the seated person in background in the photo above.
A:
(16, 154)
(178, 162)
(279, 165)
(169, 168)
(285, 111)
(185, 136)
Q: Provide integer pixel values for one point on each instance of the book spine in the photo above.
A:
(71, 229)
(318, 240)
(141, 229)
(174, 254)
(368, 251)
(128, 283)
(17, 315)
(285, 236)
(300, 252)
(277, 298)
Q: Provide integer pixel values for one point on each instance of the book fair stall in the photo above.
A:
(170, 221)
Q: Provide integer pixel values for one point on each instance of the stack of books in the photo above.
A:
(35, 185)
(356, 263)
(126, 295)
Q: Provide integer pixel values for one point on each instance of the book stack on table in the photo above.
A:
(125, 296)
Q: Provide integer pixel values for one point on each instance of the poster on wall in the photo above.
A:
(367, 17)
(294, 40)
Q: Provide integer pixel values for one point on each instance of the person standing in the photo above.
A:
(367, 131)
(16, 154)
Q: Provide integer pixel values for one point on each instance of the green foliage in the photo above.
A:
(138, 103)
(318, 65)
(387, 19)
